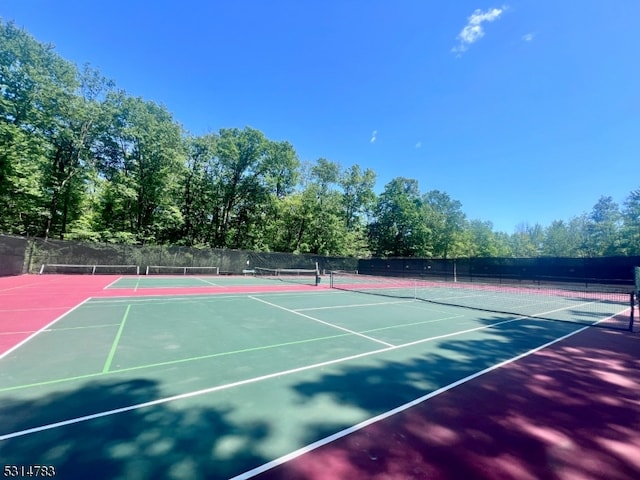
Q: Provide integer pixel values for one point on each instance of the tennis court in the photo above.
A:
(232, 377)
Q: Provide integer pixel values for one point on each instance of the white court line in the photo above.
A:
(290, 456)
(353, 305)
(160, 401)
(210, 283)
(323, 322)
(343, 433)
(196, 393)
(206, 297)
(85, 327)
(18, 332)
(19, 286)
(116, 280)
(9, 310)
(18, 345)
(244, 294)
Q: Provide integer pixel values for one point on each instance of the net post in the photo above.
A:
(633, 307)
(42, 269)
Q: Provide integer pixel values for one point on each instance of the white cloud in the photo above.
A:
(419, 145)
(528, 37)
(373, 136)
(473, 31)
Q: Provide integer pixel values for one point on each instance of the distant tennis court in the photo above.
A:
(200, 376)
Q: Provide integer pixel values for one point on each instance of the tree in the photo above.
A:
(445, 221)
(564, 239)
(197, 184)
(630, 233)
(358, 197)
(604, 228)
(140, 154)
(36, 91)
(484, 242)
(322, 229)
(399, 228)
(527, 241)
(72, 136)
(282, 169)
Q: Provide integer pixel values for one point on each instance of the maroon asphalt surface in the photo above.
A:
(570, 411)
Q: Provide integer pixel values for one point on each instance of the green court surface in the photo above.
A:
(211, 386)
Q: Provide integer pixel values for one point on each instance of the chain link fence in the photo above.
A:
(21, 255)
(541, 270)
(12, 255)
(26, 255)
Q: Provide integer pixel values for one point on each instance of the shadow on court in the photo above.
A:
(568, 411)
(155, 442)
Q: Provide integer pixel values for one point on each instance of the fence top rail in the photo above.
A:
(86, 265)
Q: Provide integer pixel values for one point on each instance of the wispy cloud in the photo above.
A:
(528, 37)
(473, 31)
(373, 136)
(419, 145)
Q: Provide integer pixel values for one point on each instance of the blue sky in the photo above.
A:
(526, 111)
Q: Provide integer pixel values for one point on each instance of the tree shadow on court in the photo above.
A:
(158, 441)
(569, 411)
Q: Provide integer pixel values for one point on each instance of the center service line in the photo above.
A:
(116, 340)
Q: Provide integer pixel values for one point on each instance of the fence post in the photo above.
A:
(633, 305)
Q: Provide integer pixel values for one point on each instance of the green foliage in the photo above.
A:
(603, 228)
(482, 241)
(445, 221)
(81, 160)
(21, 195)
(630, 232)
(527, 241)
(358, 198)
(36, 89)
(399, 229)
(140, 153)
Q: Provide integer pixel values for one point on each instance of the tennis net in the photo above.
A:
(566, 303)
(170, 270)
(65, 269)
(301, 276)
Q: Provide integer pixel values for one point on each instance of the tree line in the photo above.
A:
(81, 159)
